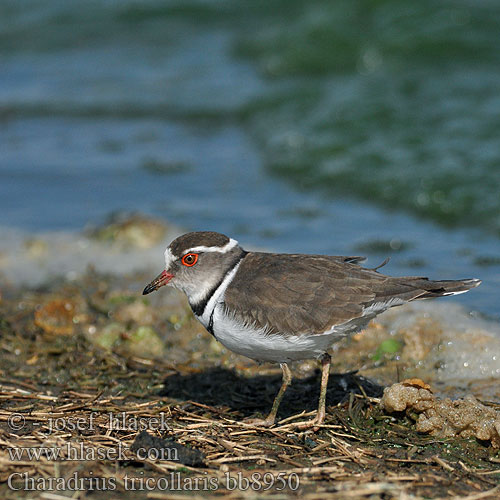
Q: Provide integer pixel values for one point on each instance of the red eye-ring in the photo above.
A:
(190, 259)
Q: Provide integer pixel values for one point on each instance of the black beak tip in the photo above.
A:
(148, 289)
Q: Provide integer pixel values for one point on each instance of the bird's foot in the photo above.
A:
(260, 422)
(313, 424)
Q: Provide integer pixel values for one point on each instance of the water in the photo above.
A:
(347, 127)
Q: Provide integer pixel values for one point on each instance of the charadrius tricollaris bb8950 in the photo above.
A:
(284, 307)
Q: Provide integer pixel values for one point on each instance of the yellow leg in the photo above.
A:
(270, 419)
(325, 372)
(320, 416)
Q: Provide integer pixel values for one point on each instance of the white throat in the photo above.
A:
(194, 292)
(218, 296)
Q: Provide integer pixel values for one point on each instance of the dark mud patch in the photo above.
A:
(155, 448)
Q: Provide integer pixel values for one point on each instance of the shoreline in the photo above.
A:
(437, 340)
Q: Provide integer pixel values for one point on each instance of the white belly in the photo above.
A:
(261, 346)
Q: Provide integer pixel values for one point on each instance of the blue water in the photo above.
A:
(349, 127)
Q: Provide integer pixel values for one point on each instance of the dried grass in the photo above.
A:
(358, 453)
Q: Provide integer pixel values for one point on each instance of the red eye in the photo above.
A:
(190, 259)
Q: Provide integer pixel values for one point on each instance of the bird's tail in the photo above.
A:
(445, 287)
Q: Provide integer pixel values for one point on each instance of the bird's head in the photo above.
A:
(196, 263)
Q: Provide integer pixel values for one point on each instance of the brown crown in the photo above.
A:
(199, 238)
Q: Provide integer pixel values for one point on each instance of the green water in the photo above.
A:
(400, 104)
(305, 126)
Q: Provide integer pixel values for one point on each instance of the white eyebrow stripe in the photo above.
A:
(226, 248)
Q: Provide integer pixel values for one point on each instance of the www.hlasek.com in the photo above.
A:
(173, 481)
(77, 452)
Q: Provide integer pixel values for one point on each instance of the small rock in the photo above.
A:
(108, 336)
(145, 342)
(56, 317)
(137, 312)
(134, 231)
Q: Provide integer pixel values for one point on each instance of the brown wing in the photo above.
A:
(284, 292)
(287, 291)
